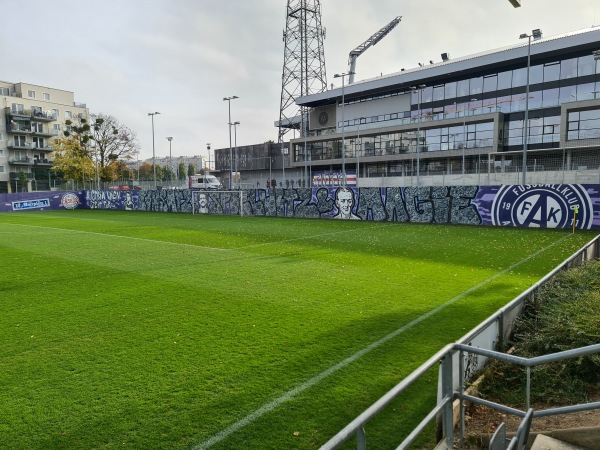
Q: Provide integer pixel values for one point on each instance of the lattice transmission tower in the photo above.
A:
(303, 62)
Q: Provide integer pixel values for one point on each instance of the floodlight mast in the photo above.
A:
(368, 43)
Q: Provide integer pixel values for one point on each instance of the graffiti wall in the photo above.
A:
(541, 206)
(39, 201)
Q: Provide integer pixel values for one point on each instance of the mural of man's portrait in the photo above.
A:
(128, 201)
(344, 202)
(203, 202)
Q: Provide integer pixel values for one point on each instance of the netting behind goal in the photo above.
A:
(217, 202)
(557, 165)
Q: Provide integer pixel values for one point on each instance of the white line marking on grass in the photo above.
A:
(313, 381)
(186, 245)
(123, 237)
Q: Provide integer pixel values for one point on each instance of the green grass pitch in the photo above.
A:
(170, 331)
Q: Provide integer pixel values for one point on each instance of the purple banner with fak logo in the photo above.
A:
(540, 206)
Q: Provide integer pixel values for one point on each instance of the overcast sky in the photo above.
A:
(127, 58)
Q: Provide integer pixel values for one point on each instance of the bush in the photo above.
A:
(563, 316)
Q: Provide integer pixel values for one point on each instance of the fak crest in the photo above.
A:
(542, 206)
(69, 201)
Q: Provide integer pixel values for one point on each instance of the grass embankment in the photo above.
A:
(564, 315)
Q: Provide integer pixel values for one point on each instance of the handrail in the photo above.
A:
(534, 361)
(361, 420)
(444, 356)
(374, 409)
(519, 441)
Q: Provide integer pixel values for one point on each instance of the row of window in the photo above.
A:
(542, 130)
(37, 110)
(583, 124)
(479, 164)
(16, 126)
(436, 139)
(540, 73)
(21, 141)
(506, 104)
(30, 93)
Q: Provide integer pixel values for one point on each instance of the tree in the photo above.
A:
(71, 160)
(191, 170)
(23, 180)
(146, 172)
(168, 173)
(105, 140)
(182, 174)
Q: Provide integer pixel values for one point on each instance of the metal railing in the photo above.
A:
(528, 363)
(519, 441)
(500, 325)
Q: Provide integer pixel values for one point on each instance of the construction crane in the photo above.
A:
(368, 43)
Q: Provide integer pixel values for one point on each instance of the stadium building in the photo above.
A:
(462, 121)
(30, 116)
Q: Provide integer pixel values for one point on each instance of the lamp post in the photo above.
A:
(235, 124)
(359, 142)
(596, 55)
(420, 92)
(97, 169)
(305, 135)
(342, 76)
(228, 100)
(537, 33)
(170, 161)
(465, 134)
(153, 151)
(208, 151)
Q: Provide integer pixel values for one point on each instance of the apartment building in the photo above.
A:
(530, 108)
(30, 117)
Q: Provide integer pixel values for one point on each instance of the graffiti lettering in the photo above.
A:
(542, 206)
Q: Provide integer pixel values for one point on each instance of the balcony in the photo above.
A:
(42, 116)
(42, 162)
(19, 128)
(14, 176)
(17, 115)
(21, 161)
(28, 114)
(47, 148)
(44, 132)
(19, 145)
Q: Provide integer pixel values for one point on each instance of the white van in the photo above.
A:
(206, 181)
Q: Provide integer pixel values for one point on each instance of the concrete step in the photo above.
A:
(543, 442)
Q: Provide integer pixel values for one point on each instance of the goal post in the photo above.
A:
(229, 203)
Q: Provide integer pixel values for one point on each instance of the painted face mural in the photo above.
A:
(203, 201)
(344, 201)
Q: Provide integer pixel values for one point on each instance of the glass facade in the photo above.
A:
(583, 124)
(553, 81)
